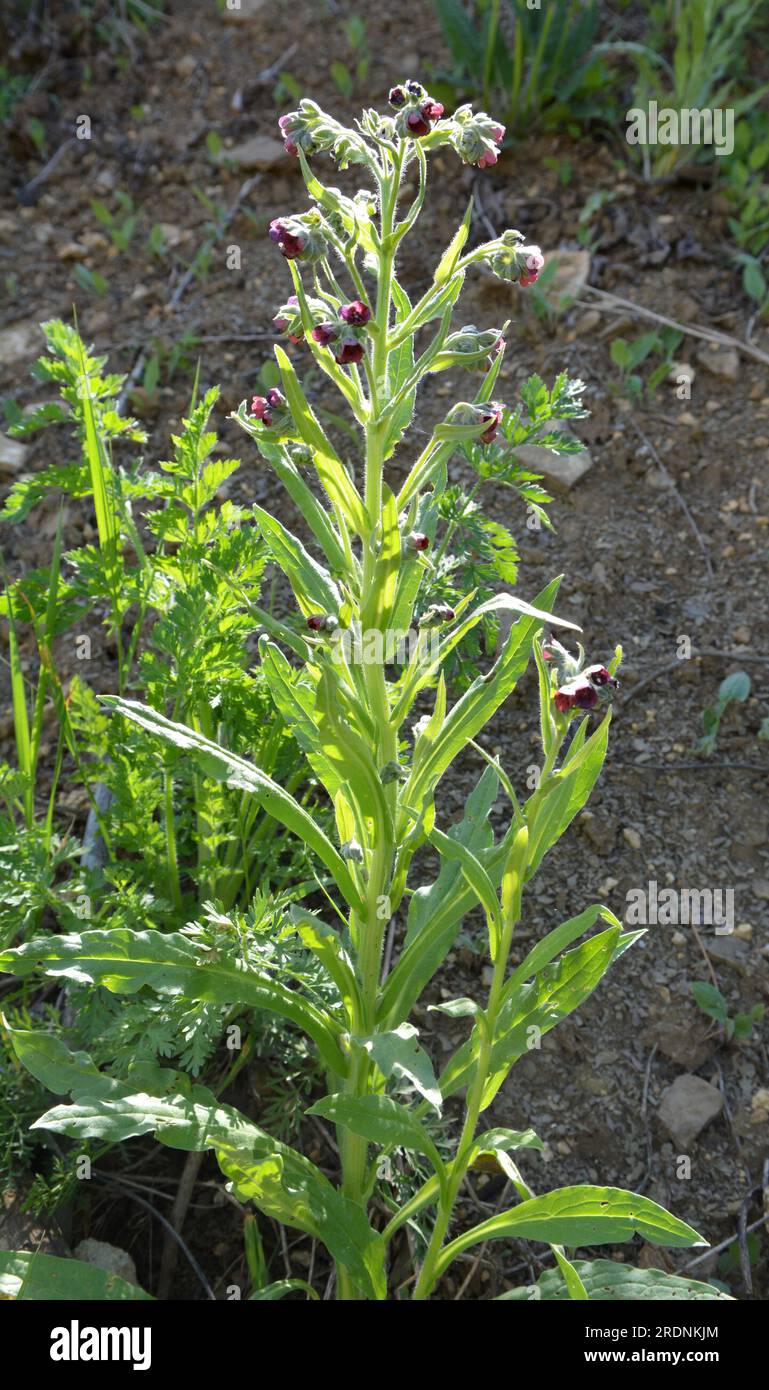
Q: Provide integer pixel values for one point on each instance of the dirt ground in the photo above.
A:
(638, 570)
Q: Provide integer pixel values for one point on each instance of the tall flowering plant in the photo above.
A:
(381, 744)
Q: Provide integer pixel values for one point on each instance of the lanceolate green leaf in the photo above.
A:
(219, 762)
(609, 1281)
(573, 786)
(575, 1216)
(281, 1182)
(331, 471)
(313, 586)
(555, 992)
(125, 961)
(381, 1120)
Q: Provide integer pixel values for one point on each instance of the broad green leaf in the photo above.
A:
(575, 1216)
(560, 804)
(398, 1055)
(313, 587)
(549, 947)
(381, 1120)
(435, 913)
(377, 613)
(479, 702)
(608, 1281)
(475, 874)
(350, 757)
(26, 1275)
(295, 699)
(125, 961)
(219, 762)
(400, 365)
(325, 945)
(156, 1100)
(330, 469)
(556, 991)
(422, 672)
(314, 514)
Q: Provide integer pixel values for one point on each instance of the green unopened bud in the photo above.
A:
(393, 772)
(352, 850)
(513, 877)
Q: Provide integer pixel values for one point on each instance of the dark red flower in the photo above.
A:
(290, 245)
(316, 622)
(324, 333)
(260, 407)
(397, 97)
(417, 540)
(578, 692)
(350, 350)
(585, 695)
(282, 324)
(432, 110)
(600, 676)
(488, 158)
(275, 398)
(564, 700)
(417, 124)
(356, 312)
(493, 414)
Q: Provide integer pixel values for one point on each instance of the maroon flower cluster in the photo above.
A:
(263, 407)
(282, 323)
(291, 244)
(418, 120)
(582, 691)
(347, 346)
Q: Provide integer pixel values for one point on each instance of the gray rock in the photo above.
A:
(20, 341)
(572, 273)
(688, 1106)
(721, 361)
(260, 152)
(241, 11)
(12, 454)
(110, 1258)
(728, 950)
(561, 471)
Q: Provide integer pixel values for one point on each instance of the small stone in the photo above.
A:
(20, 341)
(678, 370)
(186, 65)
(110, 1258)
(631, 837)
(726, 950)
(683, 1042)
(72, 251)
(587, 322)
(761, 888)
(759, 1107)
(572, 272)
(688, 1106)
(741, 634)
(260, 152)
(562, 471)
(241, 11)
(721, 361)
(744, 930)
(12, 454)
(678, 938)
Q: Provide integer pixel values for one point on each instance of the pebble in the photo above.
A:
(20, 341)
(688, 1106)
(260, 152)
(12, 454)
(631, 836)
(561, 471)
(721, 361)
(107, 1257)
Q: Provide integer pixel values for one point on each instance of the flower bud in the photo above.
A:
(322, 622)
(493, 413)
(260, 408)
(291, 322)
(515, 261)
(417, 540)
(356, 312)
(436, 614)
(301, 236)
(352, 850)
(397, 97)
(393, 772)
(476, 136)
(600, 676)
(416, 110)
